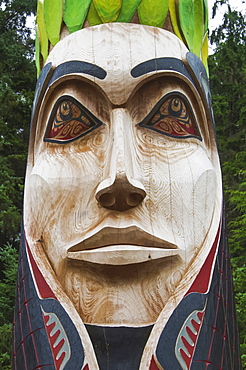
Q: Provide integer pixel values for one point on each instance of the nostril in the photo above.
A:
(134, 199)
(120, 195)
(107, 200)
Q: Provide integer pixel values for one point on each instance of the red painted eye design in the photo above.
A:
(69, 120)
(173, 116)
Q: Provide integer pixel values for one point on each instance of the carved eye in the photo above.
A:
(173, 116)
(69, 120)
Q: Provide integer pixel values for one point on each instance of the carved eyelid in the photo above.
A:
(69, 120)
(173, 116)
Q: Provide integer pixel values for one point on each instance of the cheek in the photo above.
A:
(59, 188)
(182, 184)
(192, 205)
(205, 199)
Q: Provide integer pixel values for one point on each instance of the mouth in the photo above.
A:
(122, 246)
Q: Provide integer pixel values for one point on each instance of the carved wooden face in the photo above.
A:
(123, 181)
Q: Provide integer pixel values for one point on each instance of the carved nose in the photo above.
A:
(120, 190)
(121, 195)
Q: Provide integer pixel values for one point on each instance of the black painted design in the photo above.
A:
(118, 348)
(69, 120)
(157, 64)
(173, 116)
(76, 66)
(41, 85)
(31, 348)
(218, 340)
(165, 351)
(48, 75)
(217, 345)
(197, 69)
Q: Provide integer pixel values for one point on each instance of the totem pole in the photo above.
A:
(123, 262)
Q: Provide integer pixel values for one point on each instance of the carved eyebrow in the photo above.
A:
(76, 66)
(157, 64)
(49, 74)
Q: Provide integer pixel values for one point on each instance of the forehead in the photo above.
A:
(118, 50)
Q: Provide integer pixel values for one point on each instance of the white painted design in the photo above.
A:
(185, 335)
(65, 348)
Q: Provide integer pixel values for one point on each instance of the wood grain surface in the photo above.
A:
(120, 220)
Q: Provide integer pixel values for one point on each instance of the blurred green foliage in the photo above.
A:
(228, 84)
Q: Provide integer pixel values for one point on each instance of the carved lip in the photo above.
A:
(122, 246)
(111, 236)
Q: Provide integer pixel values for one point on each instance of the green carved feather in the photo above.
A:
(189, 19)
(75, 13)
(198, 27)
(205, 4)
(37, 54)
(128, 10)
(186, 17)
(108, 10)
(41, 31)
(153, 13)
(53, 19)
(93, 17)
(204, 52)
(174, 18)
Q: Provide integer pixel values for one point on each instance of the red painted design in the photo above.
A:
(200, 315)
(202, 281)
(195, 324)
(187, 359)
(174, 117)
(174, 127)
(191, 334)
(42, 286)
(69, 131)
(153, 365)
(210, 363)
(69, 120)
(186, 344)
(86, 367)
(58, 344)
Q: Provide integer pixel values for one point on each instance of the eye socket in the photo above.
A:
(69, 120)
(173, 116)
